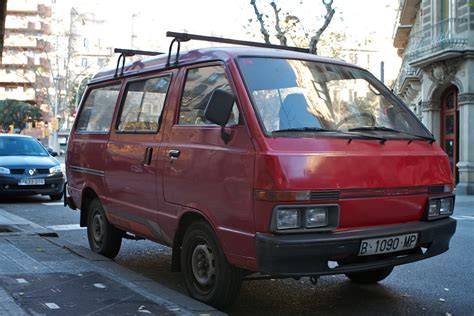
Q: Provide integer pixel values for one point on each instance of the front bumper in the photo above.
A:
(53, 185)
(311, 254)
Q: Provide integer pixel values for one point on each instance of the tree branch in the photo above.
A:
(327, 19)
(280, 34)
(263, 30)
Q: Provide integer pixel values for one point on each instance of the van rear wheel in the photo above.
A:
(209, 277)
(103, 237)
(371, 276)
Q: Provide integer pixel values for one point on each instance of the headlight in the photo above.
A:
(316, 217)
(446, 206)
(4, 170)
(433, 208)
(302, 218)
(440, 207)
(55, 169)
(288, 218)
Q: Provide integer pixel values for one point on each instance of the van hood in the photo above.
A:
(310, 164)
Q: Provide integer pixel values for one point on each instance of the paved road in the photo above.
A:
(442, 285)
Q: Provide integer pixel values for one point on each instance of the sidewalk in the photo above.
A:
(41, 274)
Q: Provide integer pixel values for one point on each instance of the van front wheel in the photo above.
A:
(209, 277)
(103, 237)
(371, 276)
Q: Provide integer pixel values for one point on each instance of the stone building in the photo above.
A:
(435, 38)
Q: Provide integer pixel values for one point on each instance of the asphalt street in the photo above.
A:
(442, 285)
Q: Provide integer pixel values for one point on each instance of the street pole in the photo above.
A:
(54, 122)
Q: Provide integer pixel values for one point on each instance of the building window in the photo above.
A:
(86, 43)
(84, 62)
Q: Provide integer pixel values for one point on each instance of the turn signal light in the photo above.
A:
(282, 196)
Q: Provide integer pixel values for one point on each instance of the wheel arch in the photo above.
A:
(88, 194)
(185, 221)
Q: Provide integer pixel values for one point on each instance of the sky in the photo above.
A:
(149, 20)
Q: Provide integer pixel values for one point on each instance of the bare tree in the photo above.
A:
(286, 26)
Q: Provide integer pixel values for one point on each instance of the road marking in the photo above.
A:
(22, 281)
(99, 285)
(65, 227)
(53, 203)
(464, 218)
(52, 305)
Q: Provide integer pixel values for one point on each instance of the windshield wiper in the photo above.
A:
(388, 129)
(304, 129)
(320, 129)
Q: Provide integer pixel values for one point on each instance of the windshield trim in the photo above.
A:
(383, 89)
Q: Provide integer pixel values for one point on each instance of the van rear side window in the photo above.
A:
(143, 105)
(98, 109)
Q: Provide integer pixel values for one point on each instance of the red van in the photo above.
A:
(250, 159)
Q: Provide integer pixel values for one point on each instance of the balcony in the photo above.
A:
(444, 40)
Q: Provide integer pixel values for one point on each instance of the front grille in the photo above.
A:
(325, 195)
(22, 171)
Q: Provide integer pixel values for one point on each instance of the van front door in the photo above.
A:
(205, 175)
(133, 174)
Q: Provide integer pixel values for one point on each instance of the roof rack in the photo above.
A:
(128, 53)
(184, 37)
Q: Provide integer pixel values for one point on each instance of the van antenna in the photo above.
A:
(184, 37)
(128, 53)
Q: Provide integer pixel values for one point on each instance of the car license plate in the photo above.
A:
(388, 244)
(31, 182)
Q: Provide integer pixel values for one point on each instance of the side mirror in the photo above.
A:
(219, 109)
(53, 153)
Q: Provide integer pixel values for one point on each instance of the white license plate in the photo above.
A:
(387, 244)
(31, 182)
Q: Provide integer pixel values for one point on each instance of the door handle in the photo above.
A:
(174, 153)
(148, 156)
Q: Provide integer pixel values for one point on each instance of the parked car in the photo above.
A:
(249, 160)
(26, 168)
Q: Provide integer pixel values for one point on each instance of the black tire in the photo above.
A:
(371, 276)
(56, 197)
(103, 237)
(209, 277)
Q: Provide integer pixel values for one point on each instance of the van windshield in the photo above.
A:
(296, 95)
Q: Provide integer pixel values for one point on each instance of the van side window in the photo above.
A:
(199, 85)
(143, 105)
(98, 109)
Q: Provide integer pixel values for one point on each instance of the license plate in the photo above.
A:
(31, 182)
(387, 244)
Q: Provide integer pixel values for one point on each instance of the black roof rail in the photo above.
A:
(128, 53)
(184, 37)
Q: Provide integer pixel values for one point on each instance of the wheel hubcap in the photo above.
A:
(203, 265)
(98, 228)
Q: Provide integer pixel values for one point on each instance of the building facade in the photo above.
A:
(435, 38)
(24, 70)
